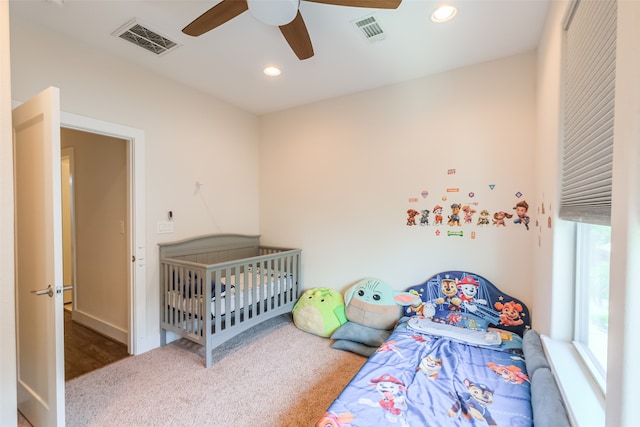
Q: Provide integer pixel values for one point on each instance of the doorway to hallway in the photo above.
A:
(96, 254)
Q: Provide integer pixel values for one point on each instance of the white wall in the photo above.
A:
(336, 177)
(554, 286)
(189, 137)
(8, 397)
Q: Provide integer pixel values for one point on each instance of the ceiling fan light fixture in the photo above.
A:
(274, 12)
(272, 71)
(444, 13)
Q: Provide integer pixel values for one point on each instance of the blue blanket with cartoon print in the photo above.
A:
(416, 379)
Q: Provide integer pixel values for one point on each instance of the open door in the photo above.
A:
(38, 240)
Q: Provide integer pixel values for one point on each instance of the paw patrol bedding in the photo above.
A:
(425, 374)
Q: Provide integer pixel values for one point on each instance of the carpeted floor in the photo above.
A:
(273, 374)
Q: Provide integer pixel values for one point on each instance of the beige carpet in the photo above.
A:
(271, 375)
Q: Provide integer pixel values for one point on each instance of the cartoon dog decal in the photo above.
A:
(437, 212)
(411, 216)
(454, 218)
(500, 217)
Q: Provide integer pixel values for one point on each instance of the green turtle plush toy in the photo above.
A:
(319, 311)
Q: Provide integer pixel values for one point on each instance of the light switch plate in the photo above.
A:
(165, 227)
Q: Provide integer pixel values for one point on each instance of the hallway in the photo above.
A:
(86, 350)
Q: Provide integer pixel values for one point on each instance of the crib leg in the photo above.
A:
(163, 337)
(207, 357)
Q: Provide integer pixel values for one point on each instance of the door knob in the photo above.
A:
(48, 291)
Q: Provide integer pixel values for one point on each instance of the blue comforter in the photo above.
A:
(415, 379)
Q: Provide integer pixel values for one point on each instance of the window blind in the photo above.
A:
(589, 89)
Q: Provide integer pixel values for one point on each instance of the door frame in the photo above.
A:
(136, 216)
(69, 153)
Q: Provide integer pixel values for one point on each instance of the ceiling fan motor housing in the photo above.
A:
(274, 12)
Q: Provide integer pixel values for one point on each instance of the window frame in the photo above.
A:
(581, 320)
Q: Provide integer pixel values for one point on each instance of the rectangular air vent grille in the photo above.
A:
(142, 36)
(370, 28)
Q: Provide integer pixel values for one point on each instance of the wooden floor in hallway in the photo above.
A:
(86, 350)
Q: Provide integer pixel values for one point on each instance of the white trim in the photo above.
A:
(584, 401)
(69, 153)
(596, 371)
(137, 292)
(99, 325)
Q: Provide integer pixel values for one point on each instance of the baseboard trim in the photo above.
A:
(100, 326)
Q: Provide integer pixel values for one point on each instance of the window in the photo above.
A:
(593, 246)
(587, 166)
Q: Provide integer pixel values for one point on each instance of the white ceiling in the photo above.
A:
(227, 62)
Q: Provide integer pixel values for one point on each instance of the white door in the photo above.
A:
(38, 239)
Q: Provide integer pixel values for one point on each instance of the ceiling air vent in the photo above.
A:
(138, 34)
(370, 28)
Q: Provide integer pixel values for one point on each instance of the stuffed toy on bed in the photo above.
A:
(373, 309)
(319, 311)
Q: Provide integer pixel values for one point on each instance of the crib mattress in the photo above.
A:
(193, 305)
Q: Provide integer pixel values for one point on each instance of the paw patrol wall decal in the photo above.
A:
(454, 218)
(500, 217)
(483, 219)
(411, 216)
(424, 217)
(522, 207)
(468, 214)
(461, 212)
(437, 212)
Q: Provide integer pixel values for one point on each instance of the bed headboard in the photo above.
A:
(468, 294)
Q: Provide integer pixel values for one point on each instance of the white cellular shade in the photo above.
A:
(589, 79)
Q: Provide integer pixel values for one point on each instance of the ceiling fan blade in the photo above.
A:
(296, 34)
(216, 16)
(374, 4)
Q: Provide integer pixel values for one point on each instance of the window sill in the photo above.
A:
(582, 396)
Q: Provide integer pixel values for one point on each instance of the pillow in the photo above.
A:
(461, 320)
(546, 400)
(373, 302)
(319, 311)
(358, 333)
(464, 335)
(354, 347)
(534, 356)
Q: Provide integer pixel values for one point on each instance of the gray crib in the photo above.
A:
(214, 287)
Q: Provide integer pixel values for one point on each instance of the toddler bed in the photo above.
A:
(216, 286)
(465, 357)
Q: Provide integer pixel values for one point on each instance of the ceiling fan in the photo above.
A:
(282, 13)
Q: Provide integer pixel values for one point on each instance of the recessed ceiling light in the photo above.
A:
(444, 13)
(272, 71)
